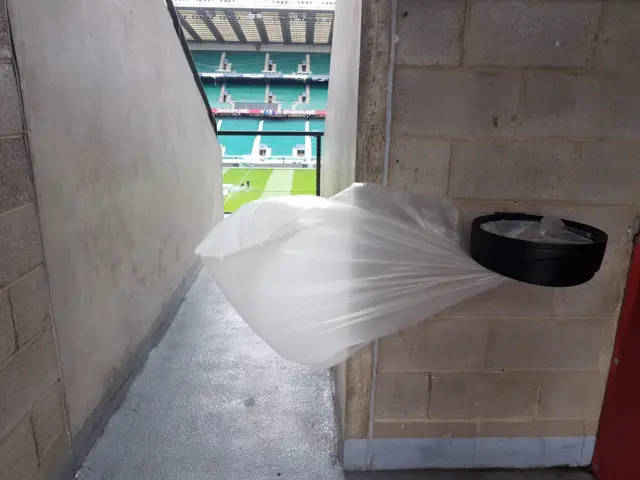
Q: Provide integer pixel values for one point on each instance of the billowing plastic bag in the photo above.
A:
(319, 278)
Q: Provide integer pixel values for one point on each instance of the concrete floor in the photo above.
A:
(215, 402)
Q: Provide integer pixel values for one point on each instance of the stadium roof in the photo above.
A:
(257, 21)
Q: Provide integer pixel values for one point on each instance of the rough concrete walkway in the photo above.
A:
(214, 402)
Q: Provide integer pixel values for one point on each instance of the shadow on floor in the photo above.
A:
(551, 474)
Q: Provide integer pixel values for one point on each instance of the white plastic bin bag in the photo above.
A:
(319, 278)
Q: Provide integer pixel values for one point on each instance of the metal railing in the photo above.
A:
(253, 133)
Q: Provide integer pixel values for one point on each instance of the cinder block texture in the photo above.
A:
(7, 334)
(483, 395)
(609, 171)
(571, 395)
(508, 169)
(540, 111)
(523, 33)
(602, 295)
(18, 458)
(5, 39)
(531, 428)
(545, 344)
(19, 243)
(508, 300)
(48, 419)
(30, 305)
(15, 179)
(546, 170)
(401, 395)
(10, 109)
(420, 164)
(436, 344)
(424, 429)
(454, 102)
(555, 104)
(430, 32)
(591, 427)
(621, 36)
(25, 379)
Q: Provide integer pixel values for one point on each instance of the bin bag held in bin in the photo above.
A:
(319, 278)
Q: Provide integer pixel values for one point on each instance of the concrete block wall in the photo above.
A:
(127, 172)
(518, 106)
(34, 442)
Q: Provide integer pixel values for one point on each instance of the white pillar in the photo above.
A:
(222, 57)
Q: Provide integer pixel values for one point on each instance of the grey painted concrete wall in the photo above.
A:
(34, 440)
(127, 173)
(341, 132)
(339, 155)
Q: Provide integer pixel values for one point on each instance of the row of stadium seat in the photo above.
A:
(254, 62)
(318, 96)
(280, 146)
(285, 94)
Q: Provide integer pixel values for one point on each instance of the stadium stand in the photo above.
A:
(246, 62)
(206, 62)
(283, 146)
(315, 125)
(244, 92)
(286, 94)
(242, 32)
(212, 91)
(318, 96)
(319, 63)
(287, 62)
(235, 146)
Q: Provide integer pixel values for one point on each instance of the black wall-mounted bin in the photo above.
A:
(536, 262)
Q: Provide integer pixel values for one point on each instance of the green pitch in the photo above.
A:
(265, 183)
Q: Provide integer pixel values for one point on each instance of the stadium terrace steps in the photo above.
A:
(213, 95)
(319, 63)
(206, 61)
(318, 97)
(287, 62)
(286, 94)
(283, 146)
(246, 62)
(237, 146)
(246, 92)
(254, 178)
